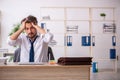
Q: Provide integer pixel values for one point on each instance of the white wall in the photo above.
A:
(15, 10)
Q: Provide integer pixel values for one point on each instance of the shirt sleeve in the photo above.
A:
(48, 37)
(14, 42)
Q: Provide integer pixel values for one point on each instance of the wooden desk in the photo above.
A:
(44, 72)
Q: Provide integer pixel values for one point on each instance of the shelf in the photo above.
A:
(65, 20)
(77, 20)
(104, 20)
(104, 33)
(105, 59)
(57, 46)
(52, 20)
(89, 22)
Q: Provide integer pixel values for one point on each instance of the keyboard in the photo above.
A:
(31, 63)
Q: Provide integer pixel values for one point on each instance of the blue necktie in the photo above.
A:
(31, 55)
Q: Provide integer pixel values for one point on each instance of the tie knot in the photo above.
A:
(32, 41)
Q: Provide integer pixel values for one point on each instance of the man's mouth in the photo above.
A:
(30, 33)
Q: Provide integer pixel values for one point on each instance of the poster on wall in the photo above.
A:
(109, 28)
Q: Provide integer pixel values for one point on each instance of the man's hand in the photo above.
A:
(38, 28)
(34, 25)
(23, 25)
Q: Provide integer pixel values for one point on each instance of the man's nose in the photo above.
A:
(30, 30)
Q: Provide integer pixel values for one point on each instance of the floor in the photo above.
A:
(105, 75)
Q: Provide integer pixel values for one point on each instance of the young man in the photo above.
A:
(33, 43)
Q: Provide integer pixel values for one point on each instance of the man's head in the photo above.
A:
(29, 29)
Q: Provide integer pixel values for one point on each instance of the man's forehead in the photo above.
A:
(28, 25)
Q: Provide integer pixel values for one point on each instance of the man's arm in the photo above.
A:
(15, 35)
(47, 36)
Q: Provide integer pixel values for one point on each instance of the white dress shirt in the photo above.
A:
(40, 47)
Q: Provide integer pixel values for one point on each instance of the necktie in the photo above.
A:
(31, 55)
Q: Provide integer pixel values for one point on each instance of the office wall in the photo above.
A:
(15, 10)
(118, 33)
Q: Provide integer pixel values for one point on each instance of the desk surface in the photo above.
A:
(41, 65)
(13, 71)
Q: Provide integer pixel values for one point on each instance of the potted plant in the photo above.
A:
(103, 15)
(16, 27)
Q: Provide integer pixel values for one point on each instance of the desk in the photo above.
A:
(44, 72)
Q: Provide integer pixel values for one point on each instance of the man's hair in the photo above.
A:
(30, 19)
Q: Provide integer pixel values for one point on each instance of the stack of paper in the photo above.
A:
(3, 60)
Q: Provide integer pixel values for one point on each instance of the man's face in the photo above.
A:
(30, 30)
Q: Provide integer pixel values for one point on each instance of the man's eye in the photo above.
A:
(27, 28)
(32, 27)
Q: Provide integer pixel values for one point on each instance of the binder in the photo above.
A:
(69, 40)
(112, 53)
(114, 40)
(86, 40)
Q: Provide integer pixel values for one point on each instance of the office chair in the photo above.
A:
(16, 57)
(50, 54)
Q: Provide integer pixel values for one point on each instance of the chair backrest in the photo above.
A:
(50, 54)
(16, 57)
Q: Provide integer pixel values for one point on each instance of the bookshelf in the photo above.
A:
(79, 31)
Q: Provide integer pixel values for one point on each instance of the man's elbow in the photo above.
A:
(10, 42)
(49, 38)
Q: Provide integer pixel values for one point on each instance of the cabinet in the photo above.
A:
(104, 30)
(81, 31)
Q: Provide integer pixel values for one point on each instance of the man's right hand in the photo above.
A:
(23, 25)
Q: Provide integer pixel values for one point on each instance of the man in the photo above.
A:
(33, 43)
